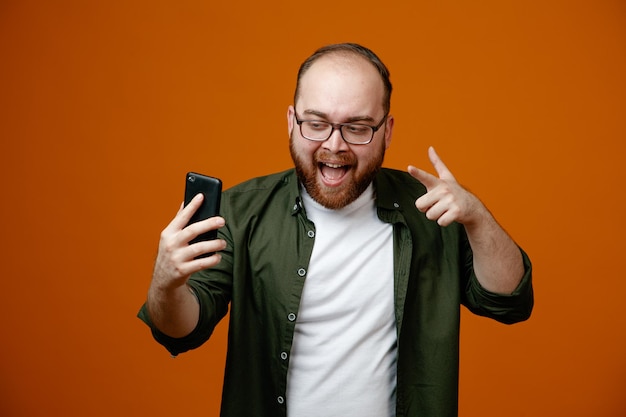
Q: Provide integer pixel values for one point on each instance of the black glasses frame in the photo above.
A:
(339, 126)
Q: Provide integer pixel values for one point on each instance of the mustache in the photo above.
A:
(323, 155)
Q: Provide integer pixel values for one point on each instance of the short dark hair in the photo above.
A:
(349, 48)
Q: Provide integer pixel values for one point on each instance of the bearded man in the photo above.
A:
(344, 279)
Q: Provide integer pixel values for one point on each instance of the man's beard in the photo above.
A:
(334, 197)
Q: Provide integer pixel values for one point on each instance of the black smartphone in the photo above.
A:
(211, 188)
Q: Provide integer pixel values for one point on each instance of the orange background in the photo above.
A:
(105, 105)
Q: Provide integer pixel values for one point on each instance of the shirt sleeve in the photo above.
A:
(213, 290)
(197, 337)
(508, 309)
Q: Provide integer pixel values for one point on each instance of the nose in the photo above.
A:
(335, 142)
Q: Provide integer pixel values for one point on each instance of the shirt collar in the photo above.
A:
(385, 198)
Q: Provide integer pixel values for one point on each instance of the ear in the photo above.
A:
(388, 130)
(290, 117)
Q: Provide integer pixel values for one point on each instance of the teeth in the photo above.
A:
(333, 165)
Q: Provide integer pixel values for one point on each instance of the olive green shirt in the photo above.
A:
(263, 270)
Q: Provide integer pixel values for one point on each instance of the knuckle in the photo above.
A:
(164, 236)
(168, 247)
(178, 271)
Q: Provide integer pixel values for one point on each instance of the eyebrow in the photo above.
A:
(348, 120)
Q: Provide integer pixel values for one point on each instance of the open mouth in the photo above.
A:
(333, 174)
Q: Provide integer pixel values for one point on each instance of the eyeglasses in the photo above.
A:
(354, 133)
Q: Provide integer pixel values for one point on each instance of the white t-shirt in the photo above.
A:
(343, 359)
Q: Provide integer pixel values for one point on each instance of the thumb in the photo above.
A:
(429, 180)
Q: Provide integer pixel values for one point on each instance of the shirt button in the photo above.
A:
(291, 317)
(302, 272)
(396, 205)
(283, 355)
(311, 233)
(280, 399)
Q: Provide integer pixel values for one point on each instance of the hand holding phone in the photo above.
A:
(211, 189)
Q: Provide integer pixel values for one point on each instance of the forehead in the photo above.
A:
(342, 85)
